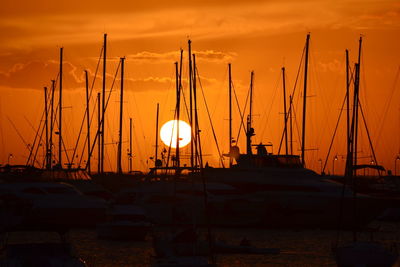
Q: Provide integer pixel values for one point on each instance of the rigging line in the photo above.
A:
(62, 140)
(40, 136)
(240, 112)
(209, 118)
(294, 88)
(34, 140)
(86, 110)
(105, 108)
(369, 136)
(244, 110)
(173, 125)
(387, 105)
(285, 118)
(19, 134)
(85, 142)
(334, 133)
(297, 127)
(270, 107)
(37, 148)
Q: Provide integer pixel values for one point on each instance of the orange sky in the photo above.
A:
(252, 35)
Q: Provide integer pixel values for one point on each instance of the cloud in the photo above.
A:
(37, 74)
(168, 57)
(150, 84)
(215, 56)
(205, 22)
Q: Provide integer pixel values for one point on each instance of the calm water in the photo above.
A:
(298, 248)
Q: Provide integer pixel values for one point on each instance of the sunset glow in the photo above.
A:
(259, 36)
(169, 132)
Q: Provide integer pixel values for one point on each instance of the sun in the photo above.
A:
(168, 133)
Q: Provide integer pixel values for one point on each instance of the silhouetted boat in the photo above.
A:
(55, 204)
(280, 191)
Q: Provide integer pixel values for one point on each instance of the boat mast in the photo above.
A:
(119, 156)
(250, 130)
(291, 123)
(198, 153)
(303, 138)
(284, 109)
(349, 158)
(177, 116)
(53, 88)
(47, 159)
(356, 103)
(130, 145)
(156, 152)
(98, 133)
(178, 110)
(103, 104)
(230, 114)
(60, 112)
(191, 104)
(87, 119)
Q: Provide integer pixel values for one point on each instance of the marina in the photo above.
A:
(200, 134)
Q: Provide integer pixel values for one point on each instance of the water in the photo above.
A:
(299, 248)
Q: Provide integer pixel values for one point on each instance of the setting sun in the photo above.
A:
(168, 133)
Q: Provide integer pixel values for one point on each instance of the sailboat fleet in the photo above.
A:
(258, 188)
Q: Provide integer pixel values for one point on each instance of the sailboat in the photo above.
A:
(168, 249)
(358, 253)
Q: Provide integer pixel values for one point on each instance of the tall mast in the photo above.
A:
(250, 130)
(230, 113)
(177, 115)
(284, 110)
(156, 152)
(87, 119)
(130, 145)
(53, 89)
(349, 159)
(119, 157)
(198, 154)
(47, 159)
(98, 133)
(103, 104)
(303, 138)
(191, 103)
(291, 123)
(178, 109)
(356, 101)
(60, 112)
